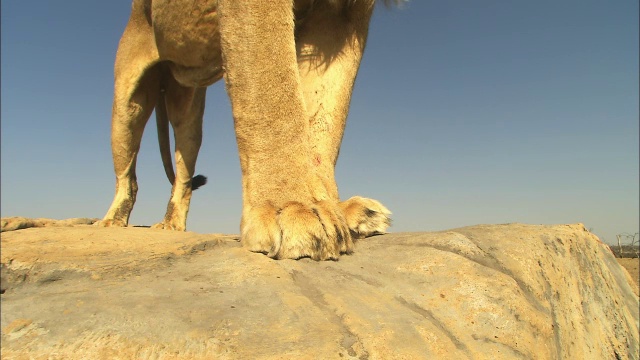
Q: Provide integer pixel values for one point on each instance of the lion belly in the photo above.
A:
(186, 34)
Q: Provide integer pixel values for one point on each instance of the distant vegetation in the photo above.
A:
(628, 245)
(628, 251)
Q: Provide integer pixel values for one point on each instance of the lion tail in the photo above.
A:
(162, 122)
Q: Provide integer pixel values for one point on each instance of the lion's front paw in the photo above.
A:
(318, 231)
(365, 217)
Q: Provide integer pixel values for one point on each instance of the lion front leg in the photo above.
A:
(330, 47)
(288, 210)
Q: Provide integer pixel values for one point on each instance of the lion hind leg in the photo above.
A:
(136, 84)
(132, 107)
(185, 109)
(162, 124)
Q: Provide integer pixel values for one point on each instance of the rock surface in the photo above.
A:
(19, 222)
(482, 292)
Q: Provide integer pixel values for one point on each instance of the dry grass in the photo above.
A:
(633, 267)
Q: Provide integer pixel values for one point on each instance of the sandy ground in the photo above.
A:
(633, 267)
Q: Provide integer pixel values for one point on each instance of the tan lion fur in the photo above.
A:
(289, 68)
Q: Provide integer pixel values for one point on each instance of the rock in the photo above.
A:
(18, 222)
(481, 292)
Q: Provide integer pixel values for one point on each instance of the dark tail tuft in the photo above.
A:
(197, 181)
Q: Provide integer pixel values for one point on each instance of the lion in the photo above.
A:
(289, 67)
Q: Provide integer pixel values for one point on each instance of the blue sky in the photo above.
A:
(464, 112)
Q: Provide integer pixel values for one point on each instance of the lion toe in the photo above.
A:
(296, 230)
(366, 217)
